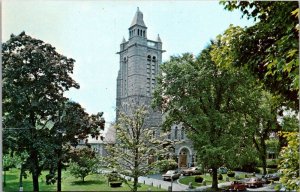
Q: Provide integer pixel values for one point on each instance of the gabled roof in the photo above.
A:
(138, 19)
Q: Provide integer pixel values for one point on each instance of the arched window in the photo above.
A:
(175, 132)
(154, 59)
(144, 34)
(138, 32)
(182, 133)
(149, 58)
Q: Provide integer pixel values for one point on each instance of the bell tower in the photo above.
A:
(139, 65)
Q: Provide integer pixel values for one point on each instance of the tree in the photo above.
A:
(134, 145)
(265, 121)
(269, 48)
(35, 77)
(72, 124)
(290, 160)
(213, 105)
(83, 163)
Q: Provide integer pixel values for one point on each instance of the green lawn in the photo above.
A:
(206, 177)
(93, 182)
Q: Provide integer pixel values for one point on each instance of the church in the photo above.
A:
(140, 59)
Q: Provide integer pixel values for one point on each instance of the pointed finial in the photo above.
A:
(123, 40)
(138, 9)
(158, 38)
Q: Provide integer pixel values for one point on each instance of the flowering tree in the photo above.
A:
(135, 142)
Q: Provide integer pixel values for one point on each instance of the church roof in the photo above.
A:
(138, 19)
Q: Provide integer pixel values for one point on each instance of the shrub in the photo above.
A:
(230, 174)
(220, 177)
(198, 179)
(114, 177)
(257, 170)
(165, 165)
(115, 184)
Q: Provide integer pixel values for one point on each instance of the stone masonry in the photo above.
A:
(139, 65)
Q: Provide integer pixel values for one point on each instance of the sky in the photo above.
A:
(91, 31)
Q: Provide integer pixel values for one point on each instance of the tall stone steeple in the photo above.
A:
(139, 65)
(138, 27)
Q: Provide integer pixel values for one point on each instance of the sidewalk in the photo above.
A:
(163, 184)
(204, 188)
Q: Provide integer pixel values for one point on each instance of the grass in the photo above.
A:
(206, 177)
(93, 182)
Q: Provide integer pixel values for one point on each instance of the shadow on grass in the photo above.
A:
(27, 186)
(10, 176)
(89, 182)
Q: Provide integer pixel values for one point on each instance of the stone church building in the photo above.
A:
(140, 59)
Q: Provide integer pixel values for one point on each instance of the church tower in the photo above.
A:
(139, 65)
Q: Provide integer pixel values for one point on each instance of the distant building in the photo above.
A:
(99, 145)
(140, 59)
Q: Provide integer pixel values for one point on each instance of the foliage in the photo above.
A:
(167, 164)
(114, 176)
(135, 145)
(220, 177)
(83, 163)
(35, 78)
(198, 179)
(290, 160)
(71, 125)
(230, 173)
(269, 48)
(212, 103)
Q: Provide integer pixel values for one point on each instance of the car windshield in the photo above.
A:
(170, 172)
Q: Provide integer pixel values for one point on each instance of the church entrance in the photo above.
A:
(183, 158)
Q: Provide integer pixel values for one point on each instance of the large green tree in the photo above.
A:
(213, 104)
(35, 77)
(268, 49)
(135, 146)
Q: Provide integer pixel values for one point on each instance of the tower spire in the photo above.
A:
(138, 19)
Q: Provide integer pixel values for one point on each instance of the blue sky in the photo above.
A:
(91, 32)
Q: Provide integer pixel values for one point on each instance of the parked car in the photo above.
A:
(255, 182)
(171, 175)
(222, 170)
(269, 177)
(191, 171)
(238, 185)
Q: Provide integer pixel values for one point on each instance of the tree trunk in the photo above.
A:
(34, 169)
(82, 178)
(135, 183)
(214, 184)
(59, 175)
(263, 154)
(34, 156)
(59, 164)
(21, 177)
